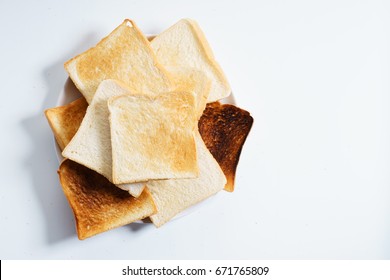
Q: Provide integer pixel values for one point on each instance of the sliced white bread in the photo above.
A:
(91, 145)
(184, 45)
(175, 195)
(124, 55)
(152, 137)
(189, 80)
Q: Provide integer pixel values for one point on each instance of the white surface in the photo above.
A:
(314, 176)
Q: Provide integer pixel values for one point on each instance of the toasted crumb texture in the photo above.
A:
(175, 195)
(224, 129)
(91, 145)
(124, 55)
(97, 204)
(153, 137)
(192, 80)
(184, 45)
(65, 120)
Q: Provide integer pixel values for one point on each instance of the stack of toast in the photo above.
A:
(149, 137)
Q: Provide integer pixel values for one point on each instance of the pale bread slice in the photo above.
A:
(152, 137)
(184, 45)
(175, 195)
(65, 120)
(98, 205)
(139, 186)
(124, 55)
(135, 189)
(91, 145)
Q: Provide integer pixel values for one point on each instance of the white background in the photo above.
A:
(313, 180)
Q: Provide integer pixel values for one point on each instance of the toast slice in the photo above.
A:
(224, 129)
(195, 81)
(175, 195)
(91, 145)
(98, 205)
(124, 55)
(184, 46)
(153, 137)
(189, 80)
(65, 120)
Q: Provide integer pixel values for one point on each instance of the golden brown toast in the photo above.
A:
(124, 55)
(65, 120)
(152, 137)
(224, 129)
(97, 204)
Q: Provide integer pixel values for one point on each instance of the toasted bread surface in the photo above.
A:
(65, 120)
(97, 204)
(195, 81)
(153, 137)
(224, 129)
(175, 195)
(184, 45)
(91, 145)
(124, 55)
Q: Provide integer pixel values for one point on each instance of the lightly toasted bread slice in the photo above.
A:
(175, 195)
(189, 80)
(224, 129)
(65, 120)
(91, 145)
(152, 137)
(195, 81)
(184, 45)
(97, 205)
(124, 55)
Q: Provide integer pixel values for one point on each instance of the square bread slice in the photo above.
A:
(65, 120)
(224, 129)
(175, 195)
(97, 205)
(91, 145)
(184, 45)
(124, 55)
(153, 137)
